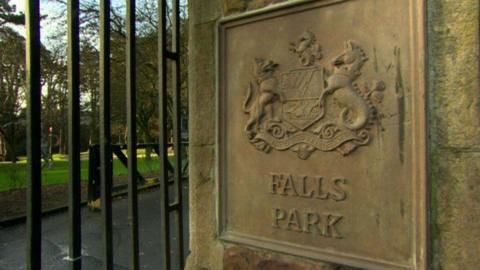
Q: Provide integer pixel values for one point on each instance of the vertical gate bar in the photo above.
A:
(105, 136)
(163, 133)
(132, 135)
(176, 125)
(34, 164)
(74, 134)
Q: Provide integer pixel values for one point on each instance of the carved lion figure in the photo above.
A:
(261, 94)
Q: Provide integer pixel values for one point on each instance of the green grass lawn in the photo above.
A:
(14, 175)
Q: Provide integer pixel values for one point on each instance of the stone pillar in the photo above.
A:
(206, 250)
(453, 129)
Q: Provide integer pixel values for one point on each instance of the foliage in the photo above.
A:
(55, 81)
(8, 14)
(146, 66)
(12, 94)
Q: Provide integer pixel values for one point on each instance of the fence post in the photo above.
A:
(94, 177)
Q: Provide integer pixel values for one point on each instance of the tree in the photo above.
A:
(147, 68)
(12, 88)
(8, 14)
(54, 76)
(55, 96)
(89, 86)
(147, 71)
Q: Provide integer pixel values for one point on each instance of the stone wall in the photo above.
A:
(453, 126)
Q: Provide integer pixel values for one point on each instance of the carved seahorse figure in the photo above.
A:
(341, 84)
(265, 92)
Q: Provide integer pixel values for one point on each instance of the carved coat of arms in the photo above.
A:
(309, 107)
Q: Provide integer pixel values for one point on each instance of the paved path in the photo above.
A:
(55, 237)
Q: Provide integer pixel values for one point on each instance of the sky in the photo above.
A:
(50, 7)
(20, 4)
(46, 6)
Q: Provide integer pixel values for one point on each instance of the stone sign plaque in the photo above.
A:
(321, 134)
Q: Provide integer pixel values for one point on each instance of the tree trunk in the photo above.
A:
(11, 154)
(148, 150)
(2, 150)
(12, 145)
(60, 141)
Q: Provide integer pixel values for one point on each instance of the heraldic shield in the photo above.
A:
(301, 110)
(309, 107)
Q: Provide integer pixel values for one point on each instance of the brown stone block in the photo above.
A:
(205, 11)
(239, 258)
(455, 208)
(202, 162)
(453, 71)
(206, 251)
(232, 6)
(202, 84)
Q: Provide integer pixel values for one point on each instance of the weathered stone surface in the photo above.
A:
(204, 157)
(201, 12)
(206, 251)
(455, 210)
(202, 84)
(453, 123)
(231, 6)
(236, 6)
(256, 4)
(453, 72)
(246, 259)
(454, 102)
(272, 133)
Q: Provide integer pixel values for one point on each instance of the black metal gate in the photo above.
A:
(34, 214)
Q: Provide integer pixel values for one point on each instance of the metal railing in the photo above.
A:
(34, 222)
